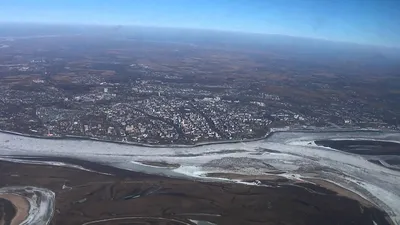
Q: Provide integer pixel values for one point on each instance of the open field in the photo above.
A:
(90, 198)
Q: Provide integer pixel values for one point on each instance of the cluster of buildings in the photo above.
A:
(154, 110)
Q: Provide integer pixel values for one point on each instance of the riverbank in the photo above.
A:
(282, 152)
(266, 136)
(83, 197)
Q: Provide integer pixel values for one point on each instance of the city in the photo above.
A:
(200, 112)
(163, 93)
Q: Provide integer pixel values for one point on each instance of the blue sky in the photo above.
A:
(361, 21)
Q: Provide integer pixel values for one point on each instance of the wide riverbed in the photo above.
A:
(290, 155)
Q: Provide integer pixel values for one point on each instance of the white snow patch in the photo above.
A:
(295, 149)
(41, 204)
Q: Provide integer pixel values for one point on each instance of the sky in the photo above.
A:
(375, 22)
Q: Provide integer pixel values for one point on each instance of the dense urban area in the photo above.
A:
(151, 92)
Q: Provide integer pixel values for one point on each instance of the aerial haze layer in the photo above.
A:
(359, 21)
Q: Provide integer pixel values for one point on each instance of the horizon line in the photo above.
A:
(198, 29)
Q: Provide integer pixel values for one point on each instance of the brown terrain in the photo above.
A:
(15, 211)
(125, 197)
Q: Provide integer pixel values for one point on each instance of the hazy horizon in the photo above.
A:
(370, 22)
(24, 29)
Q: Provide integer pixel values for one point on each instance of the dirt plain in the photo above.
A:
(84, 197)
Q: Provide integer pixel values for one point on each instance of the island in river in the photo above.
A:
(285, 179)
(84, 197)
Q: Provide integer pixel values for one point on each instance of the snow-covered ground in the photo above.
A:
(293, 152)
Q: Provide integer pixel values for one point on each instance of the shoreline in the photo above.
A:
(96, 167)
(87, 190)
(93, 167)
(21, 206)
(351, 172)
(265, 137)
